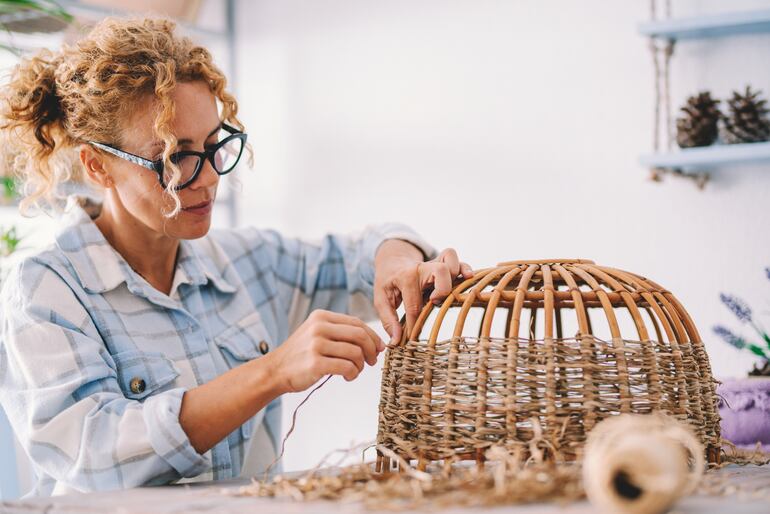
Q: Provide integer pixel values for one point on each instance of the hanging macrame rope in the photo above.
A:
(668, 51)
(662, 73)
(656, 78)
(656, 72)
(662, 83)
(661, 80)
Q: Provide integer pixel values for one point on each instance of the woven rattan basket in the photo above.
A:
(542, 348)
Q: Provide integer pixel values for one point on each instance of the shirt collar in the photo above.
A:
(197, 267)
(100, 268)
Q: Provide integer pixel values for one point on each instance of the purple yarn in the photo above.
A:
(747, 418)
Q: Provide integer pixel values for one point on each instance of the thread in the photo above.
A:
(641, 464)
(291, 428)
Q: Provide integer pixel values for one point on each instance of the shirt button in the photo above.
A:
(263, 347)
(137, 385)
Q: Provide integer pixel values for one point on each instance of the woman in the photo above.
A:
(139, 348)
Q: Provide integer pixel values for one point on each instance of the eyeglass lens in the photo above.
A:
(225, 159)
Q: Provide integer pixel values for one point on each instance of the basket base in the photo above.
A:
(385, 464)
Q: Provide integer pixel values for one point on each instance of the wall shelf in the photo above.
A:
(708, 26)
(694, 163)
(709, 157)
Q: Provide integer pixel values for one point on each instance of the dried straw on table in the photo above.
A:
(735, 483)
(508, 479)
(489, 400)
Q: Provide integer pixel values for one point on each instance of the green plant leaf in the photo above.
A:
(761, 333)
(49, 7)
(757, 350)
(11, 49)
(9, 189)
(9, 241)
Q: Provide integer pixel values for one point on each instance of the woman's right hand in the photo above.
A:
(326, 343)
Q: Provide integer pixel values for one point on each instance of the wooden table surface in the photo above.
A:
(208, 498)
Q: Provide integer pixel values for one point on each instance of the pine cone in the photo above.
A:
(698, 125)
(747, 121)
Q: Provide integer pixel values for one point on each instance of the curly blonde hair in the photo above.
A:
(56, 101)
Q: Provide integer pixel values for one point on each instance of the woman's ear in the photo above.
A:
(93, 164)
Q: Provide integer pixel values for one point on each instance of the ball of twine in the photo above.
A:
(641, 464)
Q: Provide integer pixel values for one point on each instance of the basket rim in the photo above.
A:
(546, 261)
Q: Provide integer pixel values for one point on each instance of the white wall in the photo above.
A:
(506, 129)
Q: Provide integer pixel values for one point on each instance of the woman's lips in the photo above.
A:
(200, 209)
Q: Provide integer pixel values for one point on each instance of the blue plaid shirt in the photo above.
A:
(94, 361)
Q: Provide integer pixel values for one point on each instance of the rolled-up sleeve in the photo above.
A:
(336, 273)
(60, 389)
(168, 439)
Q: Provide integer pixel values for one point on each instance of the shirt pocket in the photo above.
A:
(241, 342)
(245, 340)
(140, 374)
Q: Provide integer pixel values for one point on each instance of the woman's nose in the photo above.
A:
(207, 177)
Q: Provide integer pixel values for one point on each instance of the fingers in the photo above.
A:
(354, 336)
(442, 280)
(386, 310)
(407, 282)
(443, 270)
(345, 319)
(347, 351)
(342, 367)
(411, 291)
(449, 257)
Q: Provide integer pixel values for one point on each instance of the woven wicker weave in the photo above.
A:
(542, 349)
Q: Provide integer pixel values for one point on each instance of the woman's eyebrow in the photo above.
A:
(187, 141)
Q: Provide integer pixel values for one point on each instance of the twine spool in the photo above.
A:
(641, 464)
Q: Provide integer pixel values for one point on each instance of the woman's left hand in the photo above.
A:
(401, 274)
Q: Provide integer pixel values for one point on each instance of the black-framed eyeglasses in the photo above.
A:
(223, 157)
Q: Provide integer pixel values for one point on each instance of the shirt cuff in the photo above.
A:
(428, 251)
(168, 439)
(378, 236)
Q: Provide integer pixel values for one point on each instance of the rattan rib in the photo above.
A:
(452, 387)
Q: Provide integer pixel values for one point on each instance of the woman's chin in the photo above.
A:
(192, 226)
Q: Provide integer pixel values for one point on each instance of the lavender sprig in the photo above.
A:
(741, 310)
(729, 337)
(738, 342)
